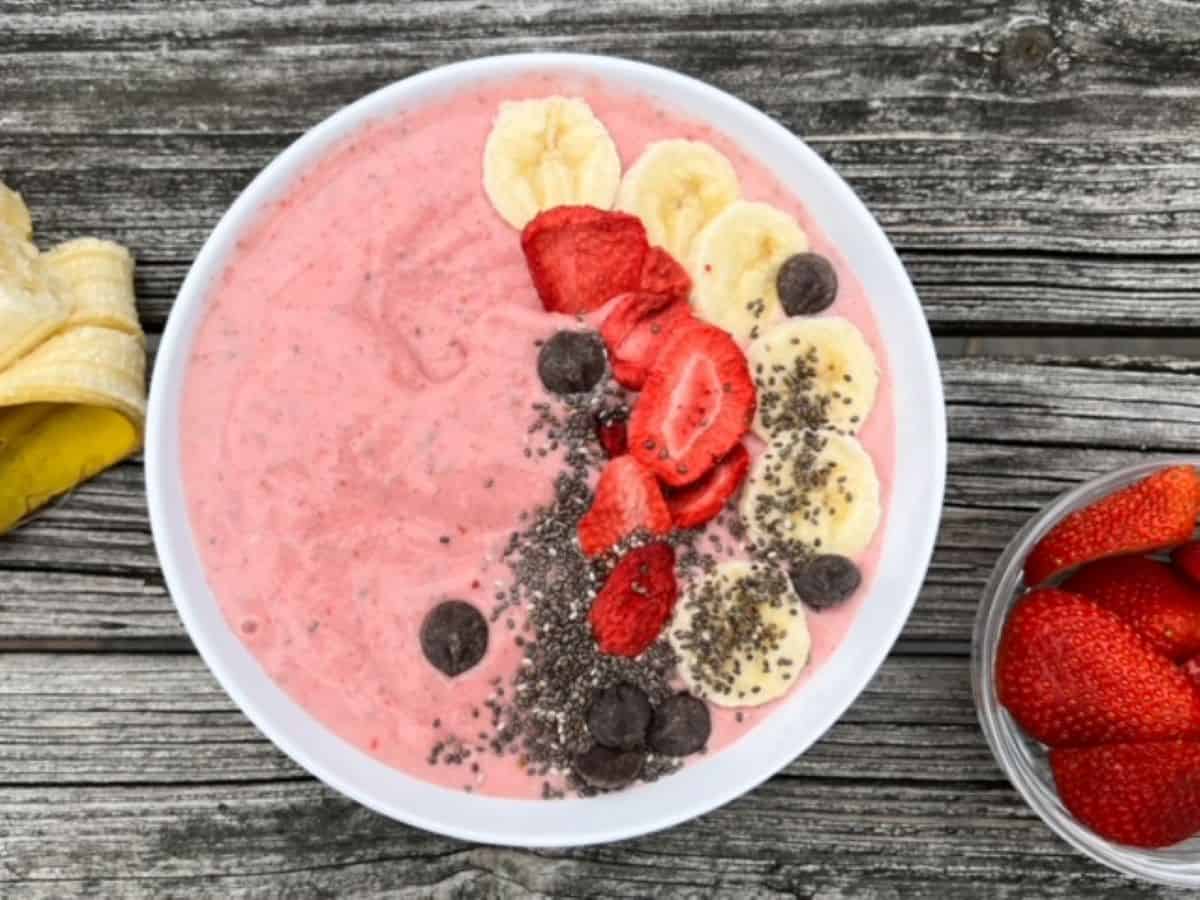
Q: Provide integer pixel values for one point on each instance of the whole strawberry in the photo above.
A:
(1153, 514)
(636, 601)
(1144, 795)
(1073, 674)
(1186, 559)
(1191, 668)
(1149, 597)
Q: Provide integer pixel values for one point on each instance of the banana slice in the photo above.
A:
(812, 491)
(96, 278)
(676, 188)
(741, 635)
(546, 153)
(14, 213)
(734, 265)
(813, 373)
(30, 310)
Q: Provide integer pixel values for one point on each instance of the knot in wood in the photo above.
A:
(1029, 53)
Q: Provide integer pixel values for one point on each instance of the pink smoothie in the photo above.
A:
(356, 418)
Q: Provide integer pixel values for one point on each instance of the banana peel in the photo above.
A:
(72, 363)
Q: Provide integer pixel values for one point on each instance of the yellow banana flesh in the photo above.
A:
(63, 448)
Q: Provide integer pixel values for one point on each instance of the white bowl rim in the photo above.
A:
(919, 479)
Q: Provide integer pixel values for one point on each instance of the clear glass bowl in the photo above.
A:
(1023, 759)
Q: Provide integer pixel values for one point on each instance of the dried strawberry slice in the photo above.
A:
(580, 257)
(636, 601)
(628, 499)
(635, 330)
(661, 274)
(699, 502)
(697, 402)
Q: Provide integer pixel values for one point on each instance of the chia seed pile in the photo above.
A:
(556, 583)
(542, 716)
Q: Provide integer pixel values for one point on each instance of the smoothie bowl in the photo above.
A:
(545, 449)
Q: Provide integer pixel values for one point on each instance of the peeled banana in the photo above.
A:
(676, 188)
(546, 153)
(813, 372)
(72, 363)
(734, 263)
(740, 635)
(813, 491)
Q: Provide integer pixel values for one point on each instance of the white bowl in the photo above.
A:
(789, 730)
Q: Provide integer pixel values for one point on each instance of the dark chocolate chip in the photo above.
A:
(681, 726)
(571, 362)
(826, 581)
(619, 717)
(807, 284)
(454, 637)
(609, 769)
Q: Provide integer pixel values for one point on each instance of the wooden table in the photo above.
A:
(1038, 166)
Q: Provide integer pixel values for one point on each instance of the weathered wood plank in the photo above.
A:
(162, 719)
(1021, 433)
(792, 837)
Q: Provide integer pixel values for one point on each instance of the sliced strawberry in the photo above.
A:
(697, 402)
(699, 502)
(580, 257)
(628, 499)
(636, 601)
(661, 274)
(1187, 560)
(1155, 513)
(1144, 795)
(1154, 601)
(613, 438)
(636, 329)
(1073, 674)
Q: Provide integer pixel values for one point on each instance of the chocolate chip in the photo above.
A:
(826, 581)
(681, 726)
(454, 637)
(609, 769)
(807, 284)
(571, 362)
(619, 717)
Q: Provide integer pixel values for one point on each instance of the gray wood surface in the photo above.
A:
(1036, 163)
